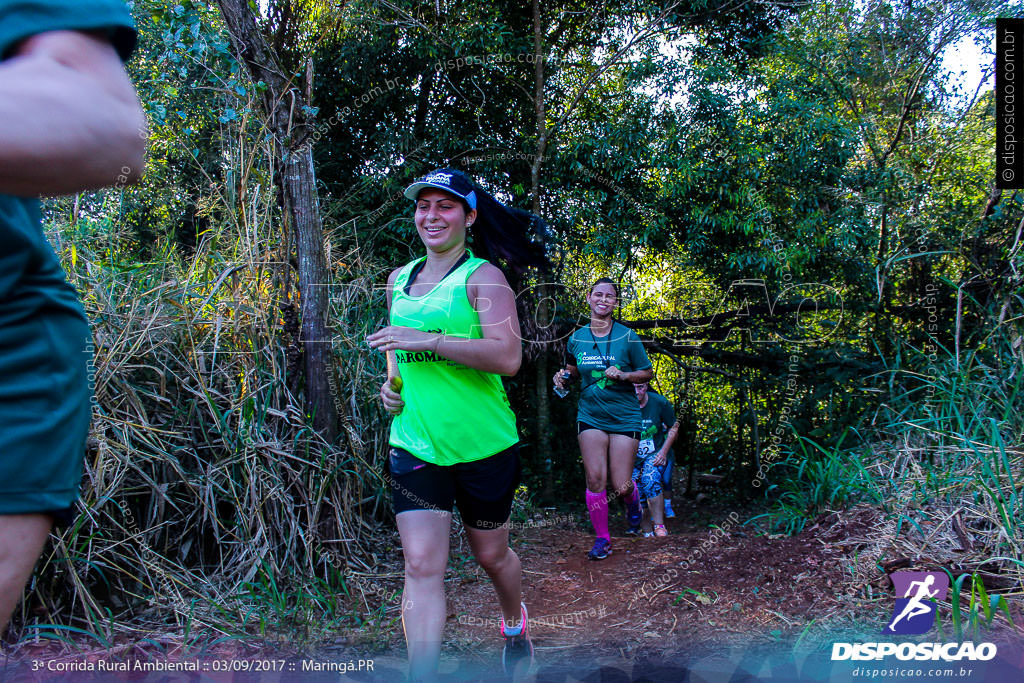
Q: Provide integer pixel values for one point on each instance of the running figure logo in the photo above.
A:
(914, 612)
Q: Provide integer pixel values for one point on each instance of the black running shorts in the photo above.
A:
(583, 426)
(483, 489)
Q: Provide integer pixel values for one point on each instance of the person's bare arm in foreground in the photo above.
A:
(70, 118)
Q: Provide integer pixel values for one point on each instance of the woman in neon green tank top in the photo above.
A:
(453, 334)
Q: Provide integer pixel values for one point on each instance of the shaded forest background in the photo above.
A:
(797, 198)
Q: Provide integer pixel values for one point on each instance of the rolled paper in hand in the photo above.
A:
(394, 376)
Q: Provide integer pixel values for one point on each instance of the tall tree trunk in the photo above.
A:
(301, 202)
(286, 108)
(542, 372)
(540, 111)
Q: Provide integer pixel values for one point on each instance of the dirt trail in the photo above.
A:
(671, 596)
(710, 600)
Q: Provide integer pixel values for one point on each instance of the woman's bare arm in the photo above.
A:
(500, 350)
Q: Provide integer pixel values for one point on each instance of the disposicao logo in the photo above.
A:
(914, 614)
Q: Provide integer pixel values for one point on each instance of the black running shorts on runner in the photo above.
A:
(583, 426)
(483, 489)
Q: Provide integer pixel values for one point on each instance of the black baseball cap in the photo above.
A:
(447, 179)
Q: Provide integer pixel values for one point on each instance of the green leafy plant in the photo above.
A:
(814, 479)
(982, 608)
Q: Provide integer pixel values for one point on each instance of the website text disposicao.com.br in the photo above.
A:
(869, 673)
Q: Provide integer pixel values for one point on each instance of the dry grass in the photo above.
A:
(208, 505)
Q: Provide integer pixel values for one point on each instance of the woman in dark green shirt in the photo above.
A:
(71, 122)
(608, 357)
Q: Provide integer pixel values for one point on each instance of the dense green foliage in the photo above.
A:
(799, 206)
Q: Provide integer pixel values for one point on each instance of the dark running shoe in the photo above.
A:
(635, 512)
(635, 531)
(517, 655)
(602, 549)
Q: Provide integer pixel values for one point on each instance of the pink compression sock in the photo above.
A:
(597, 505)
(633, 497)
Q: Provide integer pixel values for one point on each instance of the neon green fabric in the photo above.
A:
(452, 413)
(607, 404)
(44, 352)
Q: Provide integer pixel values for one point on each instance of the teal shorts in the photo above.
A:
(44, 412)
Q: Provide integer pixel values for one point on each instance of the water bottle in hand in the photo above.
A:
(564, 390)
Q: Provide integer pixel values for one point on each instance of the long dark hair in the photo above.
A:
(505, 232)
